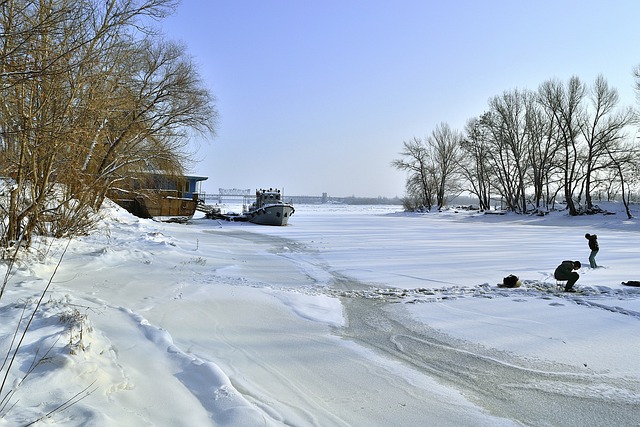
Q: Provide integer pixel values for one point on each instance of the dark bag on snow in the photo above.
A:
(510, 281)
(632, 283)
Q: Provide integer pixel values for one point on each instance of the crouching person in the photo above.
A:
(565, 272)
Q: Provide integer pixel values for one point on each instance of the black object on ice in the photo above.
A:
(510, 281)
(632, 283)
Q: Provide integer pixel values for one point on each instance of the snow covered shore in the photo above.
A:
(349, 316)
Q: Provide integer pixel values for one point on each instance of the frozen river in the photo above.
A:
(347, 317)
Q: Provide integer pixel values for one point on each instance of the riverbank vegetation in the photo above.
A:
(567, 142)
(92, 95)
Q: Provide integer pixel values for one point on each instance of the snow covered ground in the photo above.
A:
(349, 316)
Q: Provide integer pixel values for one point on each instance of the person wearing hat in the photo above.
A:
(565, 272)
(593, 245)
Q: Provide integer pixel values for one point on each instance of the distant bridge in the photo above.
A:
(235, 195)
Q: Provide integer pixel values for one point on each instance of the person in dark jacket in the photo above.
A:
(565, 272)
(593, 245)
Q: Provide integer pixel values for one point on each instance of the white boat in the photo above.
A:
(269, 209)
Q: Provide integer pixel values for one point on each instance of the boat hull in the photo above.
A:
(271, 215)
(168, 209)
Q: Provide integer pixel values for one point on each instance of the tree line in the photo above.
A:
(91, 95)
(567, 142)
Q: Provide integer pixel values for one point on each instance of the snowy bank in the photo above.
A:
(349, 316)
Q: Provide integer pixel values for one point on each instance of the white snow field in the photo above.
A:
(349, 316)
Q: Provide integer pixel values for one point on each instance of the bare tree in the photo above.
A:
(542, 149)
(474, 163)
(509, 129)
(444, 148)
(433, 166)
(624, 158)
(602, 129)
(416, 161)
(148, 128)
(90, 95)
(565, 104)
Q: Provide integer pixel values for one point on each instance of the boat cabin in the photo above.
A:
(160, 196)
(267, 197)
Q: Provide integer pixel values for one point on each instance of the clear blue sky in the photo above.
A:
(319, 95)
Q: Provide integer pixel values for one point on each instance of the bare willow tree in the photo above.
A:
(444, 147)
(146, 122)
(507, 123)
(603, 129)
(624, 163)
(565, 104)
(542, 153)
(474, 162)
(90, 95)
(433, 166)
(35, 54)
(421, 184)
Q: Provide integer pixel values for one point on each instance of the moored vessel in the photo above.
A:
(269, 208)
